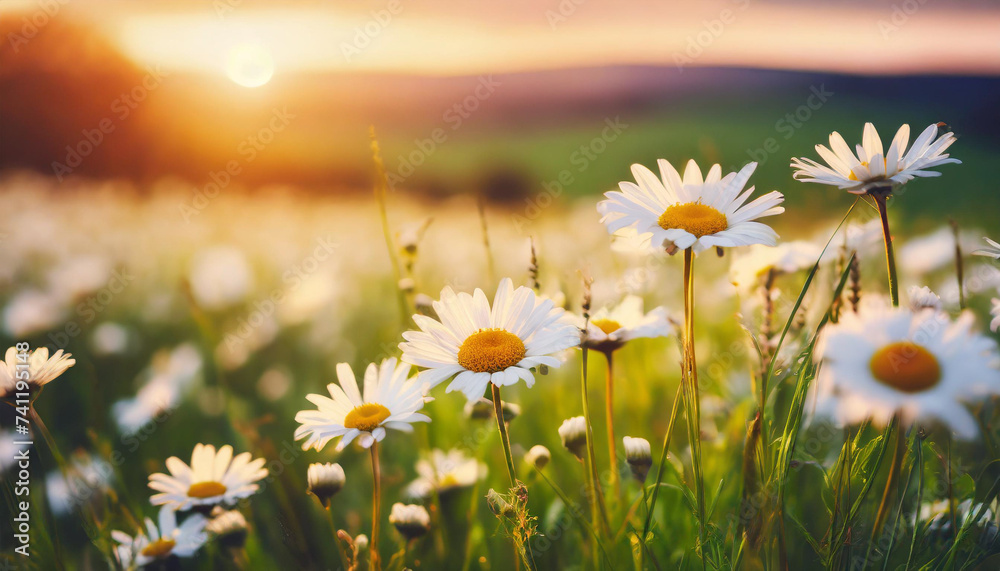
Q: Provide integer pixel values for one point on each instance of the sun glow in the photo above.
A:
(249, 65)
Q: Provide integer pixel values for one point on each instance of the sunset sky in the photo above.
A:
(250, 41)
(215, 71)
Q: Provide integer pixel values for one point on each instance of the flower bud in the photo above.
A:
(573, 432)
(480, 409)
(539, 456)
(412, 521)
(639, 457)
(325, 480)
(230, 527)
(361, 542)
(509, 410)
(498, 504)
(424, 305)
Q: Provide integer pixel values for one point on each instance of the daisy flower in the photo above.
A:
(212, 478)
(610, 328)
(157, 543)
(478, 343)
(750, 269)
(390, 400)
(42, 369)
(444, 472)
(692, 212)
(920, 365)
(872, 167)
(991, 251)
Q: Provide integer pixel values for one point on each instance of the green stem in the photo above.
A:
(598, 511)
(890, 257)
(373, 559)
(693, 412)
(572, 507)
(35, 419)
(609, 389)
(662, 463)
(899, 513)
(952, 512)
(336, 540)
(523, 546)
(892, 480)
(920, 496)
(502, 426)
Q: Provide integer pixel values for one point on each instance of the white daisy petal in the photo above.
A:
(872, 167)
(693, 212)
(521, 329)
(213, 478)
(915, 363)
(391, 399)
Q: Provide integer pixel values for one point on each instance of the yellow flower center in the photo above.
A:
(906, 367)
(694, 217)
(448, 481)
(852, 176)
(490, 350)
(366, 417)
(159, 548)
(608, 326)
(206, 490)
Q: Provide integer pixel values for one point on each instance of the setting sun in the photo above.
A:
(249, 65)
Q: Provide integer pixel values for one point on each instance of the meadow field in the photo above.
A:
(210, 322)
(499, 286)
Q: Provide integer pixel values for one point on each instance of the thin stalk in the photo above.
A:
(523, 546)
(693, 412)
(502, 426)
(767, 355)
(609, 389)
(839, 493)
(802, 294)
(571, 506)
(490, 265)
(866, 487)
(381, 186)
(952, 511)
(890, 256)
(919, 466)
(891, 481)
(35, 419)
(336, 540)
(899, 513)
(373, 560)
(597, 508)
(662, 463)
